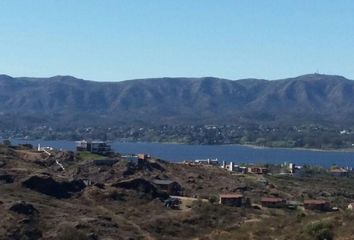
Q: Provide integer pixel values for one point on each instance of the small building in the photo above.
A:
(81, 145)
(168, 186)
(99, 147)
(242, 169)
(291, 167)
(231, 199)
(321, 205)
(231, 167)
(257, 170)
(143, 156)
(270, 202)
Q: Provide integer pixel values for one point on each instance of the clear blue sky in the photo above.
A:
(117, 40)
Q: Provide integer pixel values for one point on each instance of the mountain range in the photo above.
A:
(63, 100)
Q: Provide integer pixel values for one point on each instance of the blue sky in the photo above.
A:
(116, 40)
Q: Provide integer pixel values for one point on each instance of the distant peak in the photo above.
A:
(319, 77)
(64, 78)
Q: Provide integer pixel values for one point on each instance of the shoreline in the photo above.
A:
(346, 150)
(250, 146)
(300, 148)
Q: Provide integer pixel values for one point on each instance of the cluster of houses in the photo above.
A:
(234, 168)
(237, 200)
(287, 168)
(231, 167)
(231, 199)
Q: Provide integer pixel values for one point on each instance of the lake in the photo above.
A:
(234, 153)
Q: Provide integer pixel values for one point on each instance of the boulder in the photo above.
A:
(22, 207)
(47, 185)
(6, 178)
(2, 164)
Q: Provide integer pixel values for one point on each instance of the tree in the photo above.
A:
(6, 142)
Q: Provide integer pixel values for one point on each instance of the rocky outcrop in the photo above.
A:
(143, 187)
(67, 156)
(47, 185)
(150, 165)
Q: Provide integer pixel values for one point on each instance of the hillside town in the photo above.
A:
(101, 187)
(316, 135)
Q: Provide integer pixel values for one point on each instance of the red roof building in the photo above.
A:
(272, 202)
(321, 205)
(231, 199)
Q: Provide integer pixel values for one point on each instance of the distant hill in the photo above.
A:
(63, 100)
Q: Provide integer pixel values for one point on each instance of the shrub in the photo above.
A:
(70, 233)
(6, 142)
(319, 231)
(213, 199)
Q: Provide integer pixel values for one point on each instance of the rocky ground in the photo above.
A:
(85, 200)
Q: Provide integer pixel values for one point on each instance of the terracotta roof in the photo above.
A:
(315, 202)
(268, 199)
(231, 195)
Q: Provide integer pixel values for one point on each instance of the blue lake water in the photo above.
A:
(234, 153)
